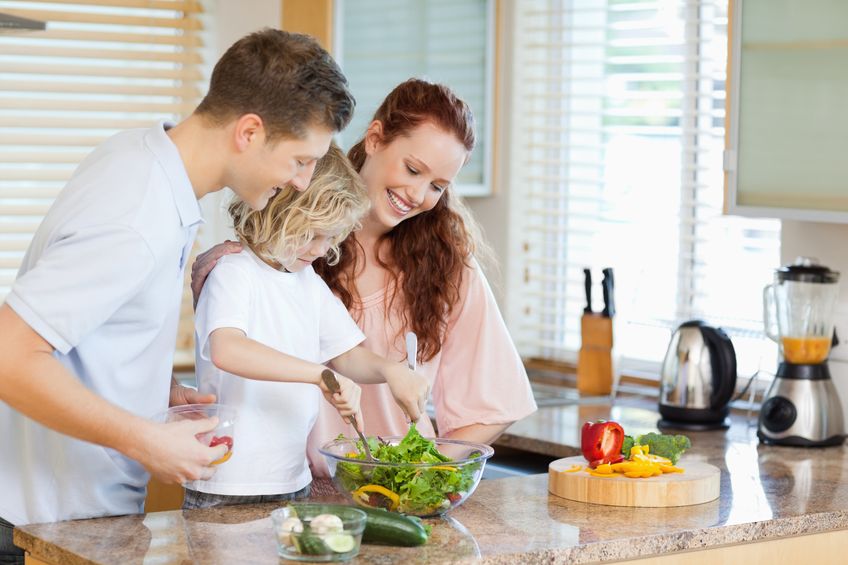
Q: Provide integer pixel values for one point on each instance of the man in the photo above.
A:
(89, 327)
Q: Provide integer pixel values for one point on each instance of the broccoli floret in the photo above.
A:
(669, 446)
(628, 443)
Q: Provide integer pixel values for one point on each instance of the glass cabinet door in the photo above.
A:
(787, 145)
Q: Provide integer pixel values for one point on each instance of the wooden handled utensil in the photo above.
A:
(332, 384)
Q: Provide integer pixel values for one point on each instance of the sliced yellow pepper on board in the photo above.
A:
(573, 469)
(362, 494)
(604, 469)
(670, 469)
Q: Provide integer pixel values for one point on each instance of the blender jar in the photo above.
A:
(799, 311)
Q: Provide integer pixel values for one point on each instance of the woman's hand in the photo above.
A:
(346, 400)
(410, 390)
(204, 263)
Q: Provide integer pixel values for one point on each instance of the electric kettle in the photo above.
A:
(698, 378)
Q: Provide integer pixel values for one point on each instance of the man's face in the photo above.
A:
(265, 168)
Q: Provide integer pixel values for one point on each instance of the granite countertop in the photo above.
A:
(767, 492)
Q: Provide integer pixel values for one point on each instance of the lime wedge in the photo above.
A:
(340, 543)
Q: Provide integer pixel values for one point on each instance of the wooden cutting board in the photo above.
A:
(698, 484)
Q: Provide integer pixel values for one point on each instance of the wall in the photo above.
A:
(232, 21)
(827, 243)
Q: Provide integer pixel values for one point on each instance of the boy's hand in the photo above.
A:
(204, 263)
(346, 400)
(172, 453)
(410, 390)
(186, 395)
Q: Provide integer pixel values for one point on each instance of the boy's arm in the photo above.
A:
(232, 351)
(365, 367)
(34, 383)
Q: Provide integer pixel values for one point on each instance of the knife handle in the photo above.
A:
(608, 285)
(587, 285)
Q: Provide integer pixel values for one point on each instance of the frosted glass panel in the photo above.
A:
(793, 112)
(384, 42)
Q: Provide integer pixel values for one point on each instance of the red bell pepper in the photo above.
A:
(601, 442)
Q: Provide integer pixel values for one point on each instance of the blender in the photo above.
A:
(801, 407)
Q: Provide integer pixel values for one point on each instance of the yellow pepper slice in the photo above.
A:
(573, 469)
(595, 474)
(670, 469)
(362, 494)
(604, 469)
(448, 468)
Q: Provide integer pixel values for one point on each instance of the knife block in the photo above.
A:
(594, 361)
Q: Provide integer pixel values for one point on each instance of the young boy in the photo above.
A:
(265, 326)
(90, 324)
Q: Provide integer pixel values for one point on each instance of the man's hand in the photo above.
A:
(204, 263)
(172, 453)
(186, 395)
(410, 390)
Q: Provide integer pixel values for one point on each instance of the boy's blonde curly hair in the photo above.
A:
(333, 204)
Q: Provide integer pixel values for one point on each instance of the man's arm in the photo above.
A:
(34, 383)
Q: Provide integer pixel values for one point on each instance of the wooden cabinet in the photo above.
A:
(786, 112)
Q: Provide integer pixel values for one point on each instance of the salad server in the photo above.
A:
(411, 352)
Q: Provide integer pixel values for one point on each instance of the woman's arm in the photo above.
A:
(478, 433)
(481, 377)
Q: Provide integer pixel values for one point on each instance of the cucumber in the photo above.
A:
(309, 544)
(389, 528)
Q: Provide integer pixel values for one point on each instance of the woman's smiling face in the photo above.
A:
(408, 176)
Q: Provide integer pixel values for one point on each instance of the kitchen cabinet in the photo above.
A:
(786, 114)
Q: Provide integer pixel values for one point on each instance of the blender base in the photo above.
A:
(665, 424)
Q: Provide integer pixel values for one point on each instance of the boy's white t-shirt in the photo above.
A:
(295, 313)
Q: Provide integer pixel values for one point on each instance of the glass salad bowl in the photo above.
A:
(411, 475)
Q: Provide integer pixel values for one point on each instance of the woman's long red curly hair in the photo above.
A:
(428, 252)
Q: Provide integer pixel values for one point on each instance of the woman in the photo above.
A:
(411, 268)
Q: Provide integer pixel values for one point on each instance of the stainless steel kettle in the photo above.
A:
(698, 378)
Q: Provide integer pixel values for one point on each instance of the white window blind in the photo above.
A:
(385, 42)
(100, 67)
(622, 113)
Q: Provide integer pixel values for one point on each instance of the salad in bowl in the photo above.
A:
(412, 474)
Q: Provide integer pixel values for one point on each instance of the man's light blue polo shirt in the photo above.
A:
(101, 282)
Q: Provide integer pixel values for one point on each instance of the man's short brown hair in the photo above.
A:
(285, 78)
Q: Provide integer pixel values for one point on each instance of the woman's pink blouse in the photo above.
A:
(476, 378)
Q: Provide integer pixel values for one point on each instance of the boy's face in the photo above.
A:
(266, 168)
(315, 249)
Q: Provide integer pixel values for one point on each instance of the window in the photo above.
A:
(381, 43)
(100, 67)
(622, 105)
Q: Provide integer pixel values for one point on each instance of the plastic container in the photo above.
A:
(223, 433)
